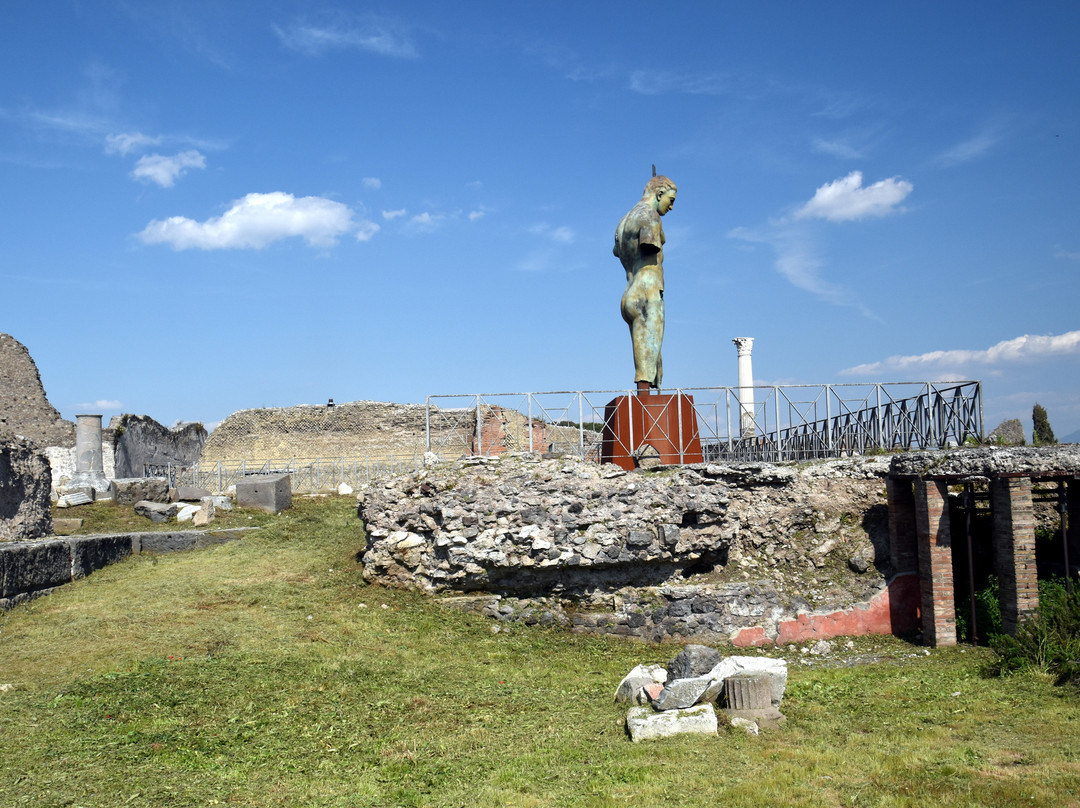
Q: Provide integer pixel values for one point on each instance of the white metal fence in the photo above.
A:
(769, 423)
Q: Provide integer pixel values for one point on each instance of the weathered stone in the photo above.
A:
(156, 511)
(206, 513)
(139, 440)
(344, 490)
(129, 490)
(679, 694)
(187, 512)
(25, 481)
(74, 498)
(24, 408)
(747, 692)
(775, 670)
(190, 493)
(693, 660)
(638, 678)
(644, 723)
(1009, 432)
(272, 493)
(63, 526)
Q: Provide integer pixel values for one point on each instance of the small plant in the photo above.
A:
(1048, 641)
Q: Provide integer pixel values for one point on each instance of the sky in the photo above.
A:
(216, 206)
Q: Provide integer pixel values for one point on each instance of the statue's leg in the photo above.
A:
(647, 332)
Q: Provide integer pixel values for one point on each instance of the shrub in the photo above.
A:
(1048, 641)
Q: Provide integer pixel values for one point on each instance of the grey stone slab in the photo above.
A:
(271, 492)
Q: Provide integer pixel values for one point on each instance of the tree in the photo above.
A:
(1041, 433)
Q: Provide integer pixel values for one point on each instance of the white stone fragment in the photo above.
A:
(644, 723)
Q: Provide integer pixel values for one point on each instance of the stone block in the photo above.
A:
(168, 542)
(189, 493)
(89, 553)
(129, 490)
(270, 493)
(156, 511)
(29, 567)
(644, 723)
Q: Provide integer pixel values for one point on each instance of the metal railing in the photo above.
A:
(788, 422)
(308, 474)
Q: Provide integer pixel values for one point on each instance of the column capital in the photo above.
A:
(745, 345)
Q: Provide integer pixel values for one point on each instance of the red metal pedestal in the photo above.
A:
(656, 427)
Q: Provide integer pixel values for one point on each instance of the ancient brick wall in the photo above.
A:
(24, 409)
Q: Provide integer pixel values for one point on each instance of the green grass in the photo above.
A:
(266, 673)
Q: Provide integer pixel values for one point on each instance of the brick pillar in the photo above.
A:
(935, 562)
(1072, 501)
(1014, 549)
(903, 549)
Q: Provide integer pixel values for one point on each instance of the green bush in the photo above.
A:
(1050, 640)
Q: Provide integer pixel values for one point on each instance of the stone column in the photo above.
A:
(745, 347)
(89, 471)
(903, 547)
(935, 562)
(1014, 549)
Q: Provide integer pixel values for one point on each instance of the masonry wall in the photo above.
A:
(24, 409)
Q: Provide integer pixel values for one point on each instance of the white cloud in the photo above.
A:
(372, 183)
(649, 82)
(560, 235)
(475, 214)
(845, 199)
(256, 221)
(970, 149)
(1027, 348)
(837, 148)
(101, 405)
(347, 32)
(164, 169)
(393, 214)
(365, 230)
(1068, 255)
(426, 222)
(127, 142)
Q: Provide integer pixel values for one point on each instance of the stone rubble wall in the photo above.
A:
(24, 491)
(367, 429)
(24, 409)
(706, 550)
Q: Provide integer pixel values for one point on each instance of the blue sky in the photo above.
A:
(213, 206)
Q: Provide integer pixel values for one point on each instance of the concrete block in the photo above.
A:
(271, 493)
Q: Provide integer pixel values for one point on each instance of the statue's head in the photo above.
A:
(660, 191)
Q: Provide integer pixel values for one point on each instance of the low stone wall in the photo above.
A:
(24, 491)
(31, 569)
(707, 551)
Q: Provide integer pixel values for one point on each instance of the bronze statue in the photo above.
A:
(639, 245)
